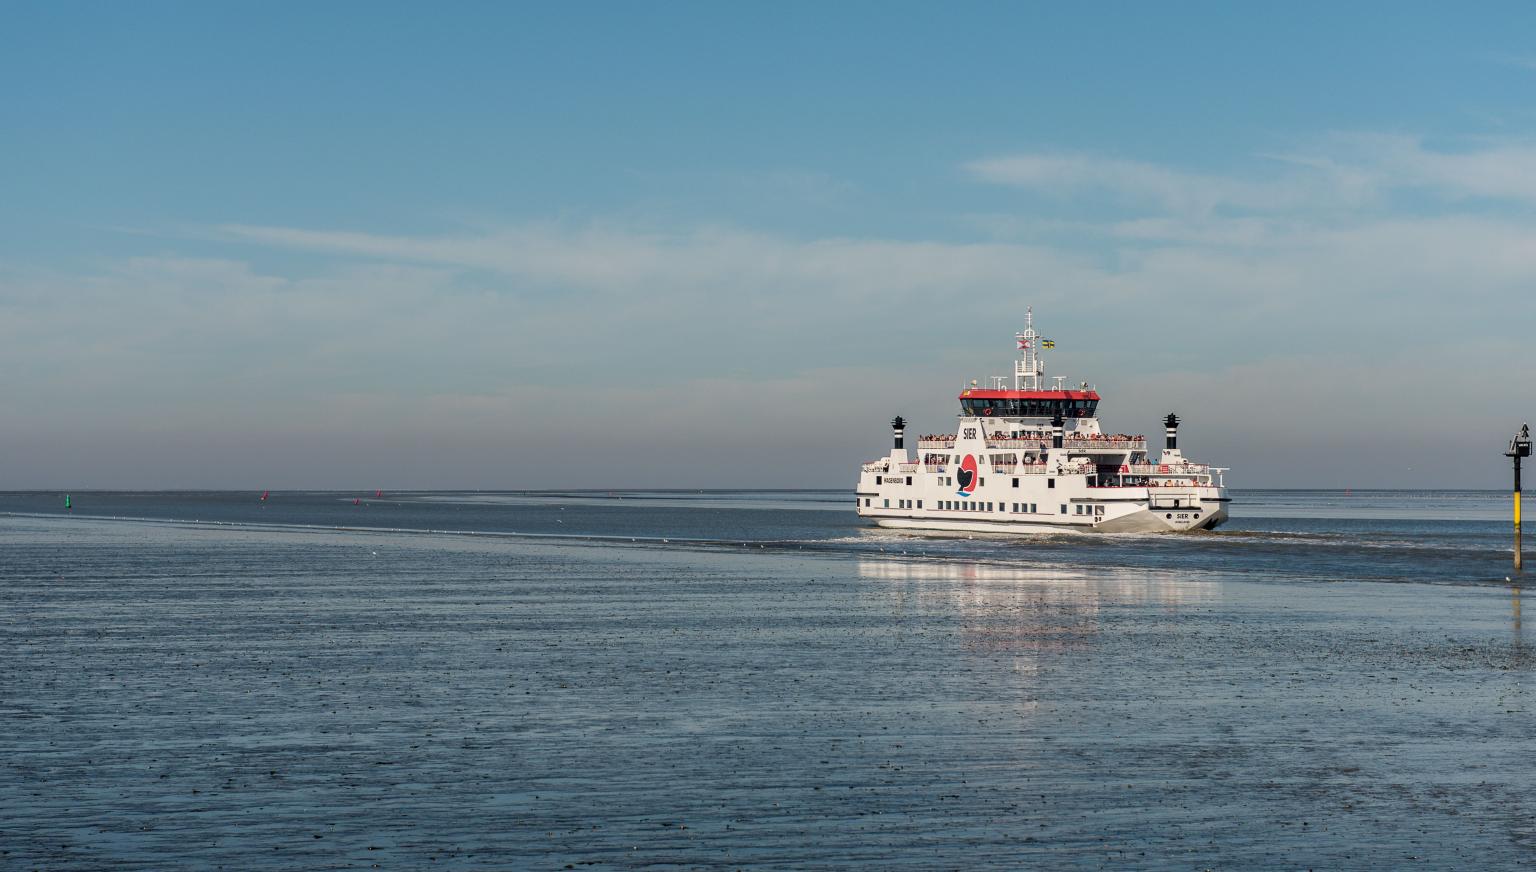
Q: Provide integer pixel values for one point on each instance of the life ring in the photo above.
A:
(987, 411)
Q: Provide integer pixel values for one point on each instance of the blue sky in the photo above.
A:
(487, 245)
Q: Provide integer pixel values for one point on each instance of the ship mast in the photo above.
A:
(1029, 369)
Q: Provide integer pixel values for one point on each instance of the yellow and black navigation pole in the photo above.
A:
(1519, 447)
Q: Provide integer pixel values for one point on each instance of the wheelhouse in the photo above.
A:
(1028, 404)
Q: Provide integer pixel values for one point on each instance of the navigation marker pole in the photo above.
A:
(1519, 447)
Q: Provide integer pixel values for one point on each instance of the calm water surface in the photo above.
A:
(737, 679)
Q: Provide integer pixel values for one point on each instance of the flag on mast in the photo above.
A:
(1047, 343)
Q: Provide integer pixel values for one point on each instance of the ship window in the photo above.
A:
(919, 504)
(909, 479)
(1015, 482)
(866, 502)
(887, 504)
(1098, 510)
(1050, 482)
(1063, 508)
(878, 480)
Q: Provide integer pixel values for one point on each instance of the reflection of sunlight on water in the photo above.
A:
(979, 582)
(1019, 625)
(1019, 610)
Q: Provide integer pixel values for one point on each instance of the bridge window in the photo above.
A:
(1027, 407)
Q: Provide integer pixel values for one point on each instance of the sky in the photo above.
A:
(713, 245)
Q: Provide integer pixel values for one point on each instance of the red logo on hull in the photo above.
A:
(966, 475)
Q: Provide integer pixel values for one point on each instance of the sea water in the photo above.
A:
(754, 679)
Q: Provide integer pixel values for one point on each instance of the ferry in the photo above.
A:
(1034, 459)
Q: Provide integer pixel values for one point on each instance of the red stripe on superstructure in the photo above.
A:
(976, 394)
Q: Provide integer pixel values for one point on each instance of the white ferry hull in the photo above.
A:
(1142, 521)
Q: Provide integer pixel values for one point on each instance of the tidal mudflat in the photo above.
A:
(189, 696)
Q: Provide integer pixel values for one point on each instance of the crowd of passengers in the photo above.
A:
(1043, 435)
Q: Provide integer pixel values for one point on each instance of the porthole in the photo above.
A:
(1169, 516)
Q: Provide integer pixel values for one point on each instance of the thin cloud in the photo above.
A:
(1139, 183)
(1346, 172)
(702, 260)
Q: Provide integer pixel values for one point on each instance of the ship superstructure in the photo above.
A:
(1032, 457)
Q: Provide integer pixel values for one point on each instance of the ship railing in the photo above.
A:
(935, 443)
(1076, 444)
(1180, 469)
(910, 467)
(1019, 443)
(1106, 444)
(1049, 469)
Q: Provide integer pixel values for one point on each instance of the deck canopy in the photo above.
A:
(978, 403)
